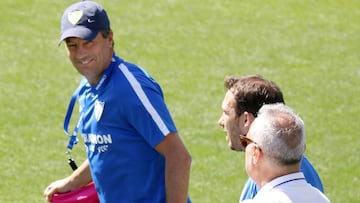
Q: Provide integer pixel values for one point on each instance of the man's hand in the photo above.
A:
(58, 186)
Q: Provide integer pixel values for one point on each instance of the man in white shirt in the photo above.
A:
(274, 146)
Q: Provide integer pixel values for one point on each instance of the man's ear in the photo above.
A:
(110, 38)
(256, 155)
(248, 119)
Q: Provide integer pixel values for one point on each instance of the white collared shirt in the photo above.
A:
(291, 188)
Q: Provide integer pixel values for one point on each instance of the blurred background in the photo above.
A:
(309, 48)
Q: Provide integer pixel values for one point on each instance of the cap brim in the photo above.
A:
(80, 32)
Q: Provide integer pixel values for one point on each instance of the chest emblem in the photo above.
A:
(98, 109)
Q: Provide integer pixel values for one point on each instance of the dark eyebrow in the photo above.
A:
(67, 40)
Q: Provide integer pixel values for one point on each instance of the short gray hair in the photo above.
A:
(280, 133)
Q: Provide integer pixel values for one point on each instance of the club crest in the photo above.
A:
(75, 16)
(98, 109)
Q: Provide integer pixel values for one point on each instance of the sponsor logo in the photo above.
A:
(99, 143)
(91, 21)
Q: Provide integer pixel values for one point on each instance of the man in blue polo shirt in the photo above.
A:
(135, 154)
(243, 99)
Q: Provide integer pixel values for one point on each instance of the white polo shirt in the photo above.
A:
(291, 188)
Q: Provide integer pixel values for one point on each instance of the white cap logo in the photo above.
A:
(75, 16)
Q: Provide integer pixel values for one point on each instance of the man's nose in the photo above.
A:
(81, 52)
(221, 122)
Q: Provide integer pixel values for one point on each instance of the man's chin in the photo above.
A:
(237, 149)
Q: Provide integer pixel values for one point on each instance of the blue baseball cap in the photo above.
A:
(83, 20)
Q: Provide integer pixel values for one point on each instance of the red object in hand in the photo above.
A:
(85, 194)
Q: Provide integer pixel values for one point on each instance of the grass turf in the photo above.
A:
(310, 48)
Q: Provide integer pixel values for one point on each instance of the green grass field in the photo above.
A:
(310, 48)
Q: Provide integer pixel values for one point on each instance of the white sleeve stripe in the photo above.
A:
(143, 98)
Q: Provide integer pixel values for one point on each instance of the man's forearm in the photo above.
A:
(80, 177)
(177, 178)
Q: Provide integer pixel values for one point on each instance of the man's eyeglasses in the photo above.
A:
(245, 141)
